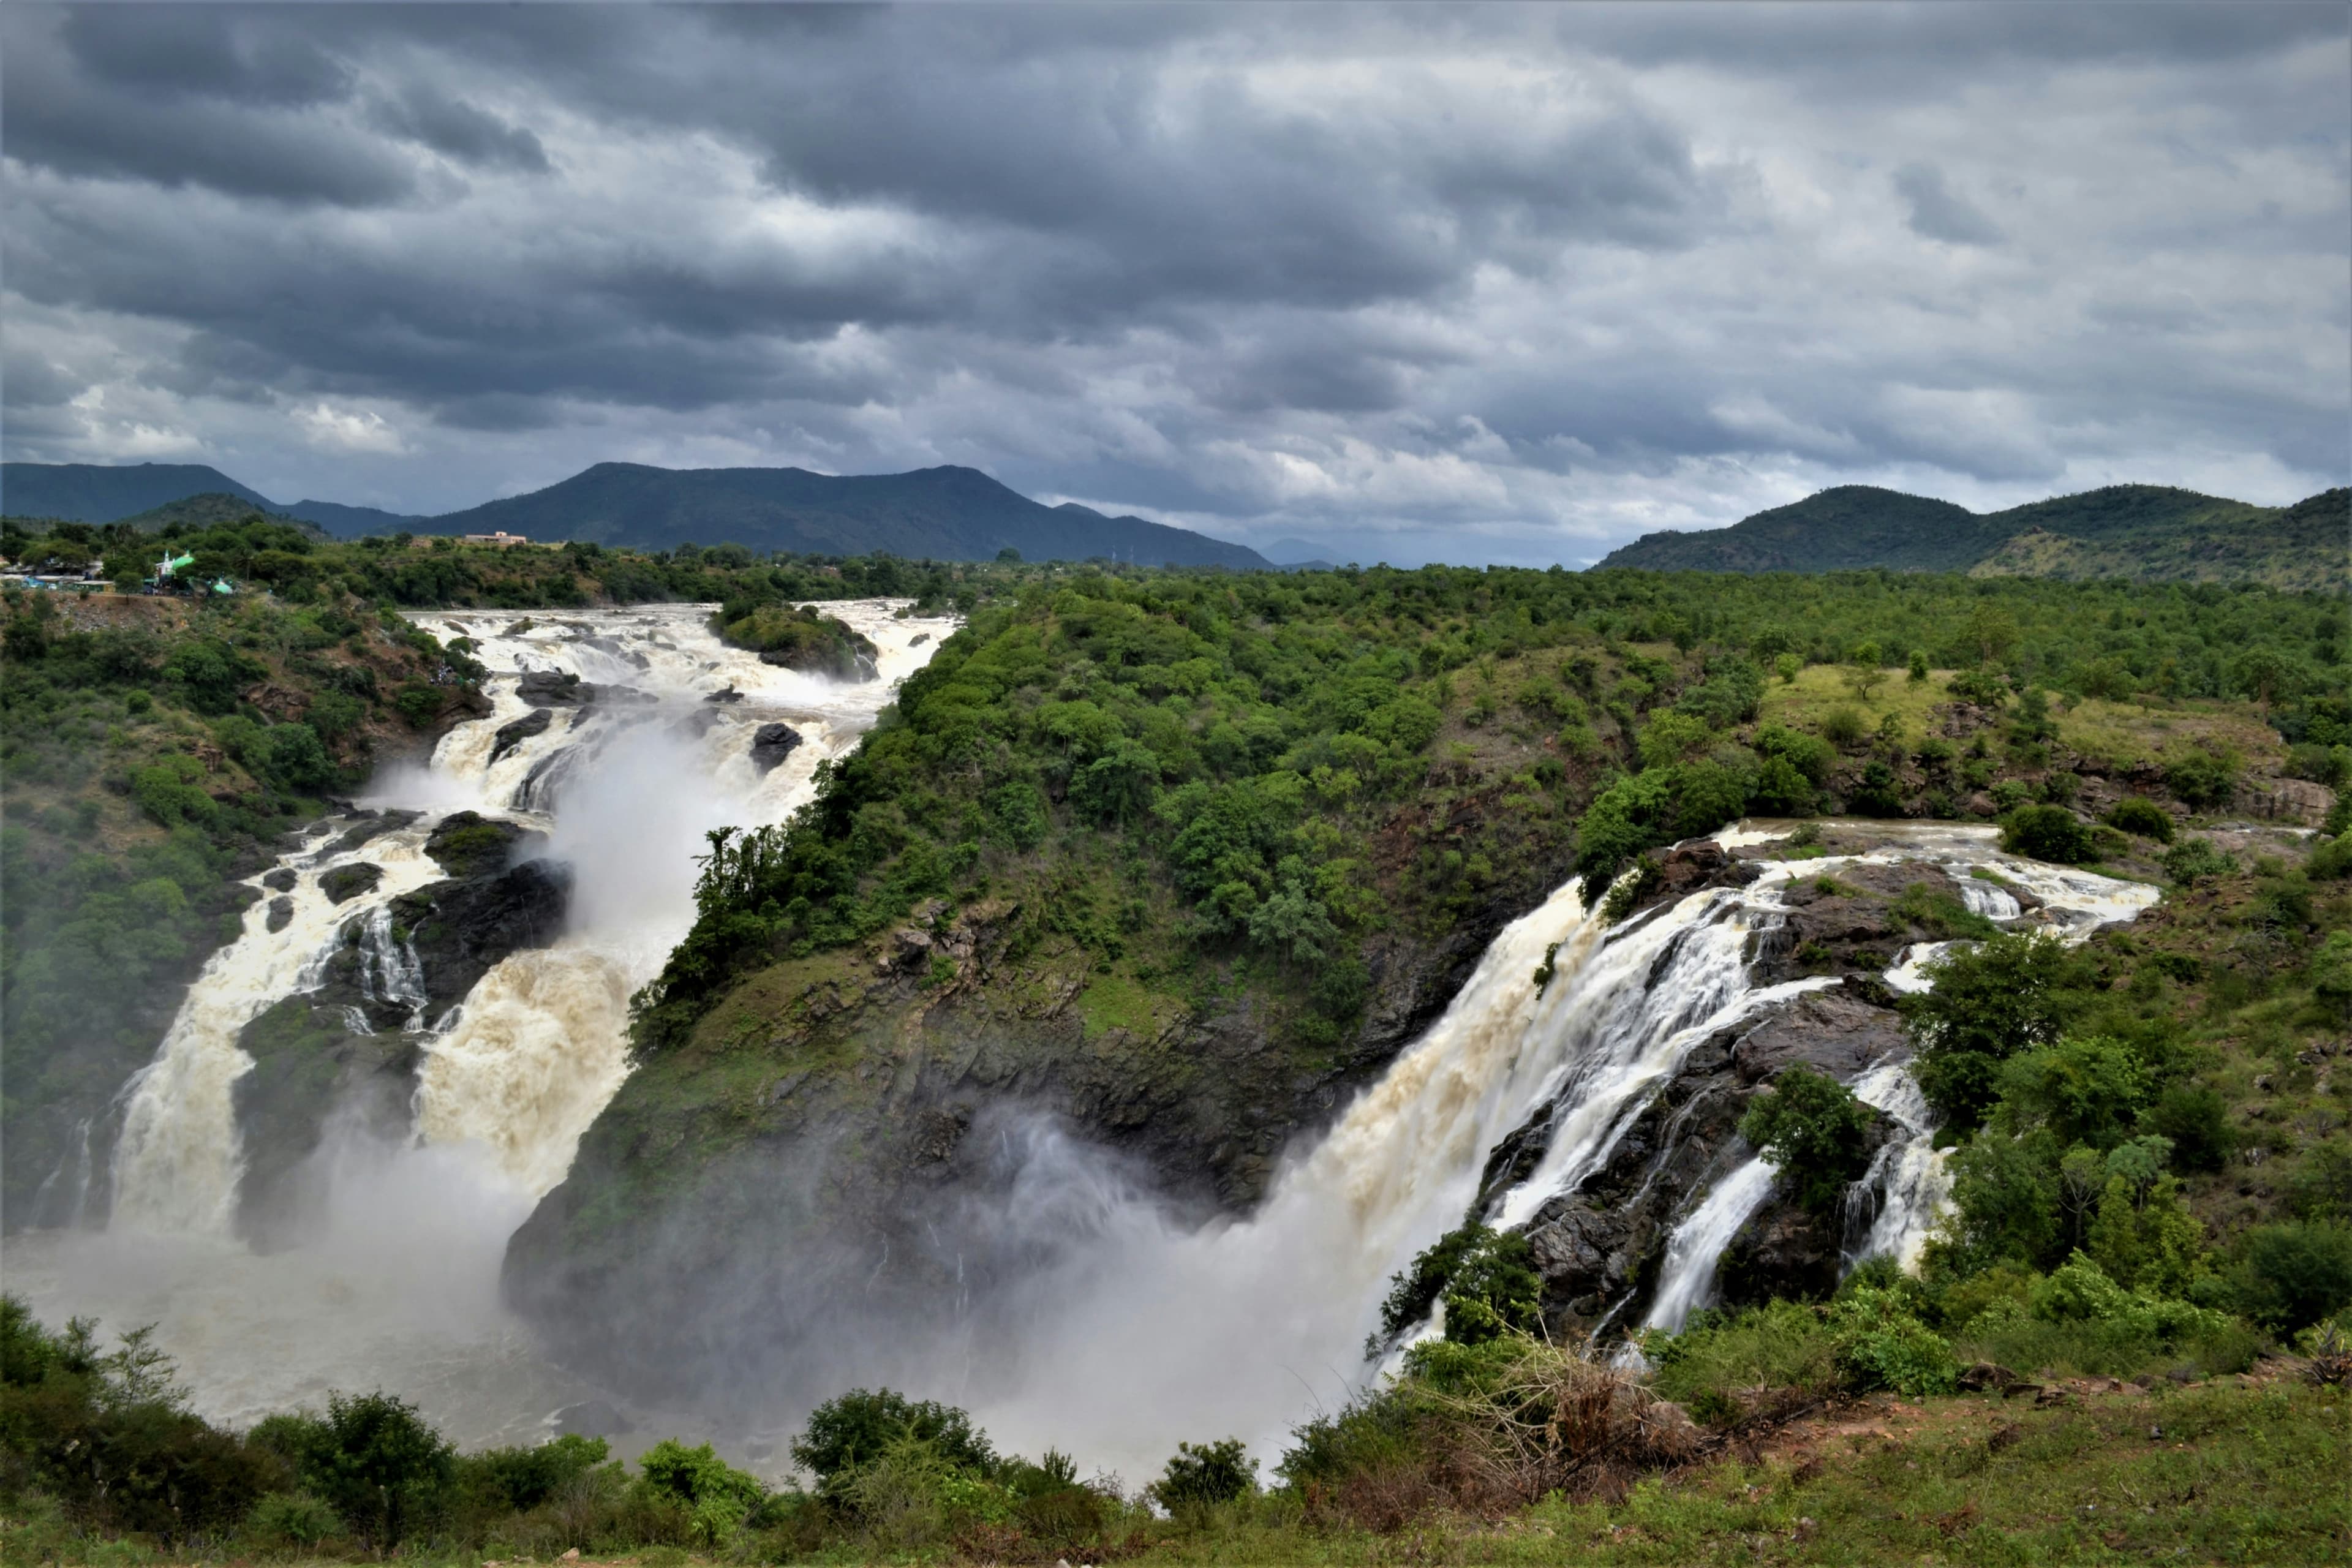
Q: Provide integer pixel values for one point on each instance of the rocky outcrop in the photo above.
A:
(561, 688)
(347, 1051)
(772, 744)
(516, 731)
(345, 883)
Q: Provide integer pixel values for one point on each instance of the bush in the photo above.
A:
(290, 1521)
(2202, 778)
(1881, 1344)
(858, 1428)
(2194, 860)
(1843, 726)
(1781, 1345)
(1812, 1129)
(2141, 818)
(2290, 1276)
(1485, 1278)
(2085, 1090)
(1205, 1474)
(2007, 994)
(372, 1457)
(2197, 1121)
(2048, 833)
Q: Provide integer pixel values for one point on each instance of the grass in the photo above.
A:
(1819, 688)
(2246, 1470)
(2129, 735)
(1117, 1002)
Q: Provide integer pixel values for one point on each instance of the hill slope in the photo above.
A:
(2147, 532)
(95, 492)
(949, 513)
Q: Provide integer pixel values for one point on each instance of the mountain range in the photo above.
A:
(2148, 532)
(943, 513)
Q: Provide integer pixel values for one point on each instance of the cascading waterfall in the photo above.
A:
(1906, 1183)
(510, 1077)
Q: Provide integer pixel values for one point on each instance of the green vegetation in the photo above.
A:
(2139, 532)
(1812, 1131)
(796, 636)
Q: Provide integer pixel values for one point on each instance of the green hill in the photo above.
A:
(944, 513)
(94, 492)
(212, 511)
(2144, 533)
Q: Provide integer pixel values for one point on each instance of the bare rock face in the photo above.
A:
(2297, 801)
(772, 744)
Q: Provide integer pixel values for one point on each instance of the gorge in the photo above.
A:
(414, 1050)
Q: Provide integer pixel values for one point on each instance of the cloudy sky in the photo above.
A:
(1471, 285)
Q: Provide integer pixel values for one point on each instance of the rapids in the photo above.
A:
(401, 1289)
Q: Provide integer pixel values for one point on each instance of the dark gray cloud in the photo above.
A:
(1510, 283)
(1938, 211)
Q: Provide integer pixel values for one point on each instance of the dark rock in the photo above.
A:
(281, 913)
(459, 929)
(1829, 1031)
(725, 694)
(772, 744)
(550, 688)
(467, 844)
(377, 824)
(516, 732)
(281, 880)
(345, 883)
(1986, 1374)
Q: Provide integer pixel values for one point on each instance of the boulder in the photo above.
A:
(725, 694)
(467, 844)
(772, 744)
(552, 689)
(516, 732)
(345, 883)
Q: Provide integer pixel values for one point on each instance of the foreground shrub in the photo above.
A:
(1881, 1344)
(1485, 1278)
(2142, 819)
(1782, 1345)
(1205, 1473)
(860, 1427)
(2290, 1276)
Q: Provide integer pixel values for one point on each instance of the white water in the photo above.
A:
(1908, 1179)
(400, 1286)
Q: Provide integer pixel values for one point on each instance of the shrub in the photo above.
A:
(1843, 726)
(1485, 1278)
(372, 1457)
(2202, 778)
(2197, 1121)
(2086, 1089)
(1812, 1129)
(2007, 994)
(2332, 857)
(1881, 1344)
(2290, 1276)
(858, 1428)
(2193, 860)
(1781, 1345)
(2048, 833)
(290, 1521)
(2141, 818)
(1204, 1474)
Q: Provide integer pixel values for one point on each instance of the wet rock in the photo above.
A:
(698, 723)
(515, 733)
(725, 694)
(459, 929)
(1830, 1031)
(281, 880)
(345, 883)
(281, 913)
(552, 689)
(375, 826)
(467, 844)
(772, 744)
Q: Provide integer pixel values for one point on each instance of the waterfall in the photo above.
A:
(1906, 1184)
(531, 1055)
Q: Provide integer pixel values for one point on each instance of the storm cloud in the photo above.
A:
(1508, 285)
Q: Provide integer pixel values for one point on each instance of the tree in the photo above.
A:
(845, 1434)
(1811, 1128)
(373, 1457)
(1202, 1474)
(2048, 833)
(2009, 993)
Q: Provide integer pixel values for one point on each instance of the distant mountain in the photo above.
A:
(945, 513)
(210, 510)
(93, 492)
(354, 521)
(2147, 532)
